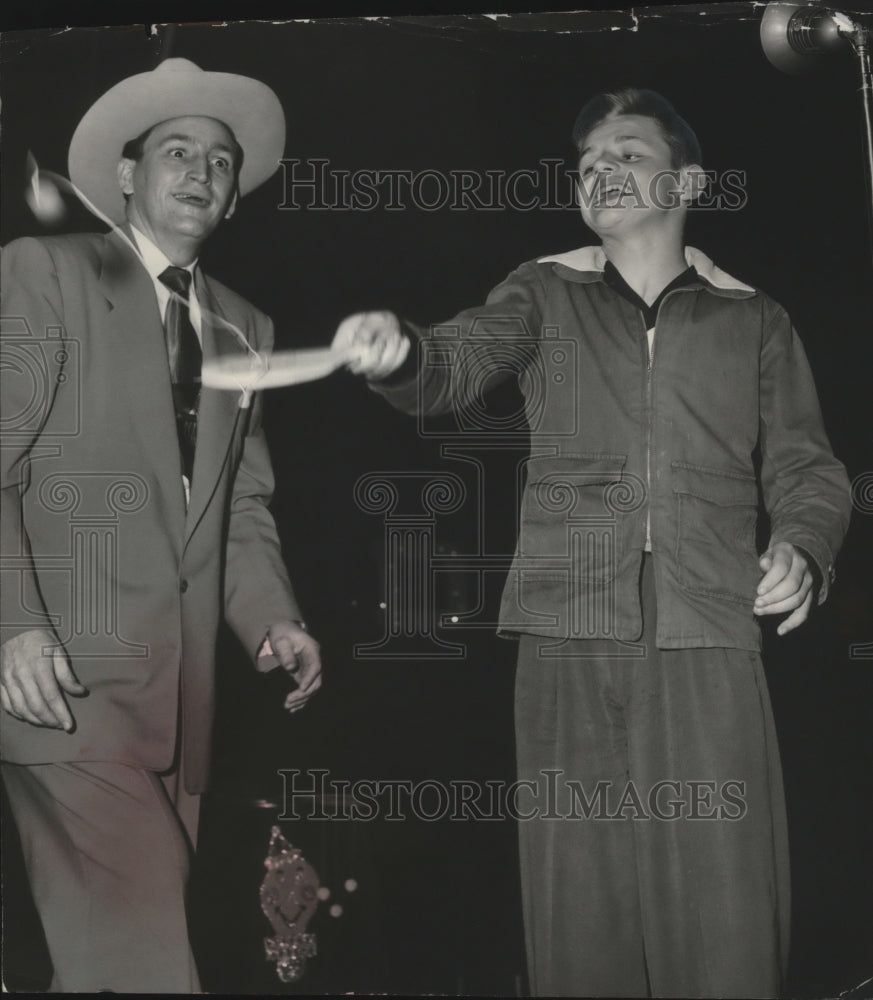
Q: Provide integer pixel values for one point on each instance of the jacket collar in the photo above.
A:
(586, 265)
(139, 372)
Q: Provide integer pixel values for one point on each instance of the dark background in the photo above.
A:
(437, 907)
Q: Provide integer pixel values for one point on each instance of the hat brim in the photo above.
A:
(176, 89)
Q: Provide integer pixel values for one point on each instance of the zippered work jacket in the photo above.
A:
(690, 442)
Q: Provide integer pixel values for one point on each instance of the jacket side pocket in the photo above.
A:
(717, 512)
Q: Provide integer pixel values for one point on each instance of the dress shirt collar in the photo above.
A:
(154, 259)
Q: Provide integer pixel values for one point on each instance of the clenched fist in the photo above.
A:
(374, 342)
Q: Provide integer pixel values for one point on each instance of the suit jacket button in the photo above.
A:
(183, 586)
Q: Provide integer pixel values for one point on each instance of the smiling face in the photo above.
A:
(183, 185)
(627, 176)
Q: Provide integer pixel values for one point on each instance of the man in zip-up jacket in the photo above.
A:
(666, 869)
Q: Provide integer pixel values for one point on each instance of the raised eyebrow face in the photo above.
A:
(218, 147)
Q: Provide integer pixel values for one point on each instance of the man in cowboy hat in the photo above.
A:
(134, 514)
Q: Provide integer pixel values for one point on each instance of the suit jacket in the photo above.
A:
(97, 542)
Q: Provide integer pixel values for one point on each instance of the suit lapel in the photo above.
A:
(219, 409)
(139, 353)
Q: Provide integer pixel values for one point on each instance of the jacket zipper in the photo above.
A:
(650, 361)
(650, 367)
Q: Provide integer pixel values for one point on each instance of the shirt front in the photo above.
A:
(155, 261)
(616, 281)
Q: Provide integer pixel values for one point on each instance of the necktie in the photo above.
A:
(185, 357)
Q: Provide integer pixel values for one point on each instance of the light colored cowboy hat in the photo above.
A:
(177, 88)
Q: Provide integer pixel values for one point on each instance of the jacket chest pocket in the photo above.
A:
(717, 514)
(570, 519)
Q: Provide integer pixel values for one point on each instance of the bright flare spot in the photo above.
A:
(42, 196)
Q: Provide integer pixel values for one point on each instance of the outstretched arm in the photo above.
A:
(445, 368)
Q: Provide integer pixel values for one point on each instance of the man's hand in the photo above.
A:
(375, 343)
(299, 654)
(785, 586)
(30, 683)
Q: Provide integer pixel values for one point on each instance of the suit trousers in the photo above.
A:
(107, 848)
(656, 863)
